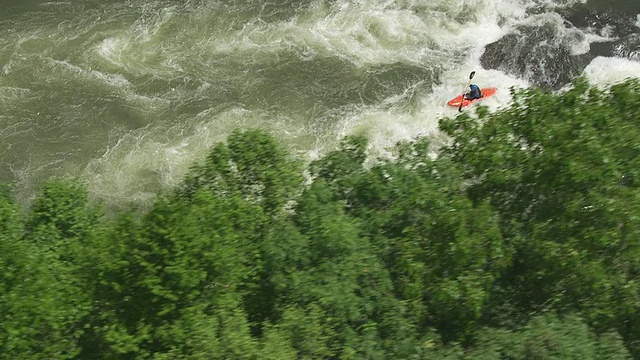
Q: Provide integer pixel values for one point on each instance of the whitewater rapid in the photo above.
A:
(127, 95)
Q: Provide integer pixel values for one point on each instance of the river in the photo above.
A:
(126, 95)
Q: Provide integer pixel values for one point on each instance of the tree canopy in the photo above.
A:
(520, 240)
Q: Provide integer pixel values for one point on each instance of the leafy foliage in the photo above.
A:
(520, 240)
(559, 169)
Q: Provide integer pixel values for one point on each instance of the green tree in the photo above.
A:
(193, 264)
(182, 271)
(253, 164)
(517, 241)
(549, 337)
(442, 251)
(43, 305)
(560, 169)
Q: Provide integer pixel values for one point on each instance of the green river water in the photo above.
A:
(126, 95)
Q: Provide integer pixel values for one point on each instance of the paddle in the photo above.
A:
(473, 73)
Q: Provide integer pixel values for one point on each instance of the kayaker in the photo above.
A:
(474, 92)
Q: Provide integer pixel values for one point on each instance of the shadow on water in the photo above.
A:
(543, 52)
(540, 53)
(11, 8)
(618, 18)
(626, 7)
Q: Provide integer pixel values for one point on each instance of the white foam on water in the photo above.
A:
(386, 125)
(111, 49)
(147, 46)
(576, 39)
(583, 47)
(115, 80)
(448, 35)
(158, 40)
(607, 70)
(144, 161)
(6, 68)
(373, 32)
(10, 93)
(56, 3)
(152, 21)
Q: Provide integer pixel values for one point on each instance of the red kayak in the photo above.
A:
(486, 92)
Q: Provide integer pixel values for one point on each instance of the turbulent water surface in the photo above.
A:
(127, 94)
